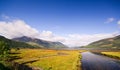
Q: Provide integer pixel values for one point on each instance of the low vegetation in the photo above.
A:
(49, 59)
(112, 54)
(4, 54)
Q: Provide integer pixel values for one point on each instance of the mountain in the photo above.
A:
(39, 42)
(106, 43)
(14, 44)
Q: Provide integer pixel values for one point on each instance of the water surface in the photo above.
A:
(91, 61)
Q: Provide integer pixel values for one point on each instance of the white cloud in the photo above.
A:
(118, 22)
(109, 20)
(48, 35)
(80, 40)
(17, 28)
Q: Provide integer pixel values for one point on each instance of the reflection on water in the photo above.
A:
(92, 61)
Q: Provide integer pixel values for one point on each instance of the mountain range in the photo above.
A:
(39, 42)
(28, 42)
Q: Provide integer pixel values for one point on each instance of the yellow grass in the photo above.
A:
(50, 59)
(112, 54)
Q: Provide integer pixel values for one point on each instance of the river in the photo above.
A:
(91, 61)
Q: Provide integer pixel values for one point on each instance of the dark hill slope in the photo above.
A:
(106, 43)
(15, 44)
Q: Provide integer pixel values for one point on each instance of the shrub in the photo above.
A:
(4, 50)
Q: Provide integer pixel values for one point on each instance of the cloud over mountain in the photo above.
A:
(16, 28)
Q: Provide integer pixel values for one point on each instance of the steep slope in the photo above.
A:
(39, 42)
(106, 43)
(14, 44)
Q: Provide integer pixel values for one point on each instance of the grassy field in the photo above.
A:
(49, 59)
(112, 54)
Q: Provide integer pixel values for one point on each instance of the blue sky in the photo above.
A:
(64, 17)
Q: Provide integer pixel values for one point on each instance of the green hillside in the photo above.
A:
(106, 43)
(14, 44)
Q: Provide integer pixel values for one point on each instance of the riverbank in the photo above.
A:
(115, 55)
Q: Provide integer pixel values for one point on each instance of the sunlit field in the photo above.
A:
(112, 54)
(49, 59)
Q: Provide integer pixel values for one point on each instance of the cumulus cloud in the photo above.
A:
(50, 36)
(109, 20)
(46, 34)
(17, 28)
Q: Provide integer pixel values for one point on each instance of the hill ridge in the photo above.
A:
(112, 43)
(39, 42)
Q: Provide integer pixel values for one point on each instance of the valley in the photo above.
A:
(26, 53)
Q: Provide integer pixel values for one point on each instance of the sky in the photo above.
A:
(72, 22)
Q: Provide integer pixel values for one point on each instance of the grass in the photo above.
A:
(49, 59)
(112, 54)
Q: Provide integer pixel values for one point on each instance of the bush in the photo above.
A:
(4, 50)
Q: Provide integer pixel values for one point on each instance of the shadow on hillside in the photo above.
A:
(12, 58)
(14, 53)
(30, 61)
(17, 66)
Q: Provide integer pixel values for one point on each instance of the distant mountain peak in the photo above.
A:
(24, 37)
